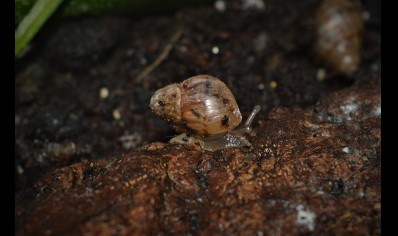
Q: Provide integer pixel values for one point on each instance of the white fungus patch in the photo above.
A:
(377, 111)
(349, 107)
(346, 150)
(130, 141)
(305, 217)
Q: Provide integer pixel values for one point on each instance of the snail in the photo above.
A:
(339, 34)
(204, 111)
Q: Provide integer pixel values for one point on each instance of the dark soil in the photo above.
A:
(265, 56)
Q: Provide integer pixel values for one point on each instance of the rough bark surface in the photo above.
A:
(313, 171)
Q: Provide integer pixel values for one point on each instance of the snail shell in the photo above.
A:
(201, 106)
(339, 29)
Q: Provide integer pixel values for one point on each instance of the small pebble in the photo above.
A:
(320, 74)
(19, 170)
(104, 93)
(116, 114)
(220, 5)
(215, 50)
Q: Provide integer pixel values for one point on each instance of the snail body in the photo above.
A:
(203, 110)
(339, 34)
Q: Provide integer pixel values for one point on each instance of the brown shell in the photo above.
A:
(201, 106)
(339, 29)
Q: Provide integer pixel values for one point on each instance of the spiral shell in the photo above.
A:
(202, 106)
(339, 29)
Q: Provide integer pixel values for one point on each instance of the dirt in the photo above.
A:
(317, 151)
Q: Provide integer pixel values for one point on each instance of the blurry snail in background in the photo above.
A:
(339, 31)
(204, 111)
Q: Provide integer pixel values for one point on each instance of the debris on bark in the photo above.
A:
(310, 171)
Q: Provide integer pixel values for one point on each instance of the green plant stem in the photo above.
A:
(33, 21)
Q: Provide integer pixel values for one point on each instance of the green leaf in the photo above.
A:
(33, 21)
